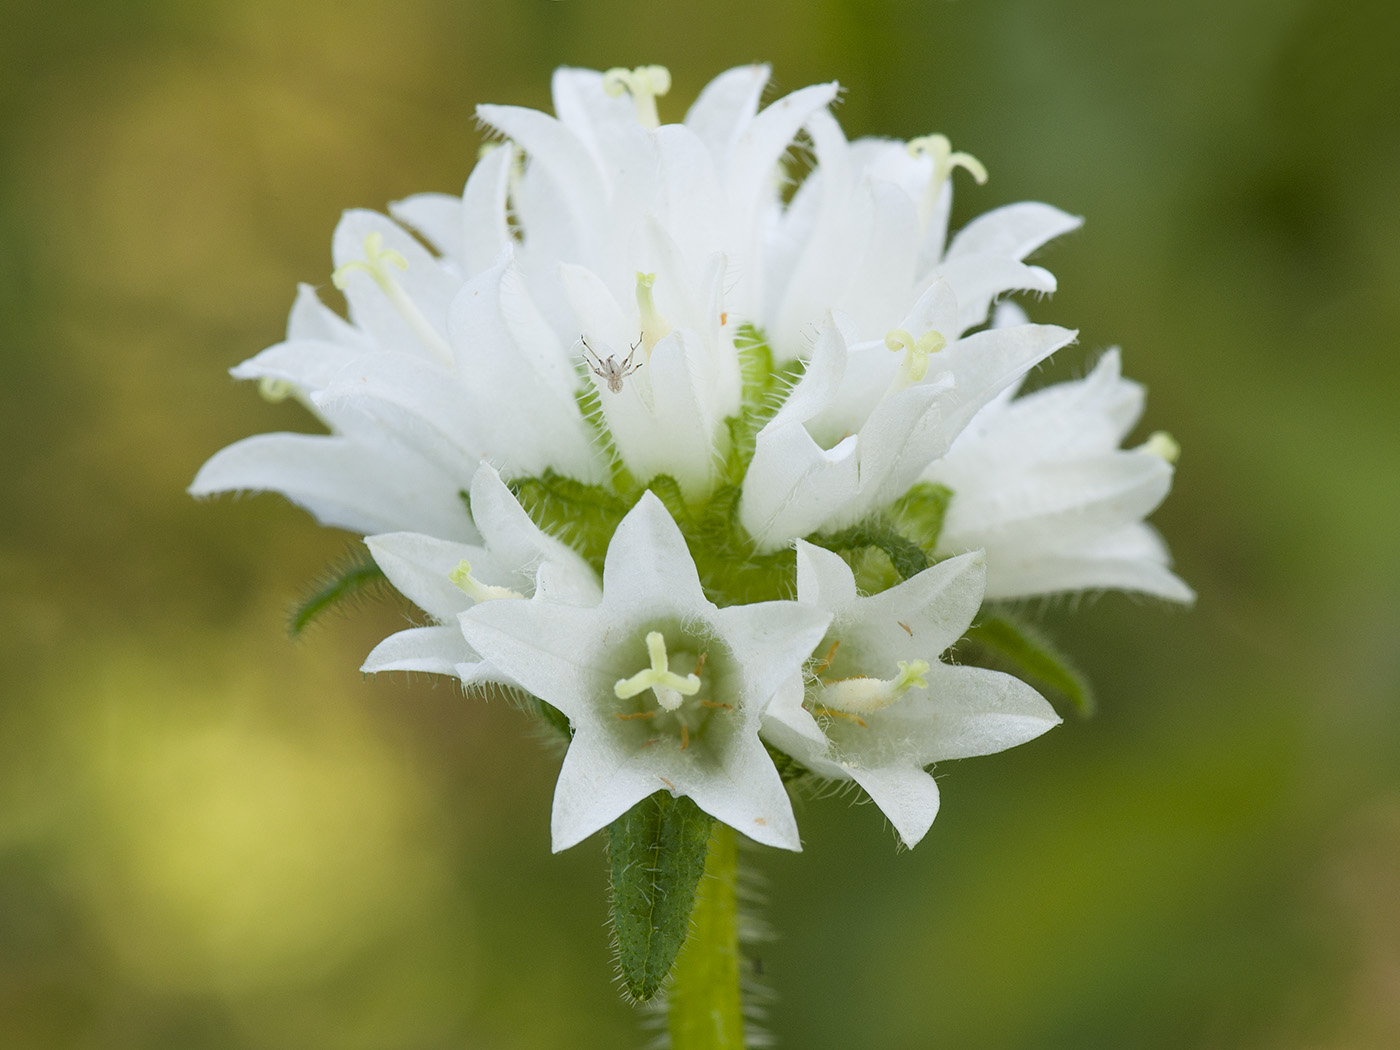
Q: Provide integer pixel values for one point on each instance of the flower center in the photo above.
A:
(668, 686)
(645, 84)
(863, 696)
(916, 353)
(474, 588)
(376, 264)
(938, 149)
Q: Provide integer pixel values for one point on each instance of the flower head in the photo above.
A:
(631, 352)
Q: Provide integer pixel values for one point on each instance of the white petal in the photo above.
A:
(417, 400)
(519, 545)
(1013, 231)
(906, 795)
(599, 781)
(312, 319)
(921, 617)
(978, 712)
(420, 566)
(308, 364)
(726, 106)
(558, 152)
(979, 279)
(748, 794)
(648, 570)
(985, 363)
(437, 216)
(484, 221)
(424, 282)
(432, 650)
(343, 483)
(552, 651)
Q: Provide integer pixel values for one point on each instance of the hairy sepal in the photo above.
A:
(1002, 642)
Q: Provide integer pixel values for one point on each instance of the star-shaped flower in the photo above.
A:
(882, 707)
(664, 690)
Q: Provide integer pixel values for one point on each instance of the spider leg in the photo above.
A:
(589, 352)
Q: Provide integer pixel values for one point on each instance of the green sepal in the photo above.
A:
(351, 577)
(583, 516)
(919, 513)
(657, 854)
(1003, 643)
(907, 557)
(761, 387)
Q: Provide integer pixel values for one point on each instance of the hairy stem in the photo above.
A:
(705, 1011)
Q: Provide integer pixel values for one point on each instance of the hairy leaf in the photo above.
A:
(352, 577)
(657, 854)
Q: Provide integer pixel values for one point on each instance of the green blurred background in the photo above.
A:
(213, 837)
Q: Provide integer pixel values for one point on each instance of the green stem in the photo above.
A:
(704, 1010)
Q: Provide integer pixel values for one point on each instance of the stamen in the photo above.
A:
(862, 696)
(668, 686)
(825, 662)
(644, 84)
(829, 713)
(654, 326)
(474, 588)
(376, 264)
(917, 351)
(1163, 446)
(940, 150)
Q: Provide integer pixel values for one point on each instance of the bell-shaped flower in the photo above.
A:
(1040, 483)
(515, 560)
(664, 690)
(862, 424)
(880, 707)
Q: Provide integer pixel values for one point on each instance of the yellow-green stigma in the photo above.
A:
(938, 149)
(376, 264)
(645, 84)
(474, 589)
(916, 353)
(668, 686)
(1163, 446)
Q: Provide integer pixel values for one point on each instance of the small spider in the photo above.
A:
(610, 370)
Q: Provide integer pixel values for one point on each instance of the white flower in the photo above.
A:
(445, 578)
(1040, 483)
(882, 706)
(663, 689)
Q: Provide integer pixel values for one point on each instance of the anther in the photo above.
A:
(916, 353)
(376, 264)
(668, 686)
(1163, 446)
(654, 326)
(644, 84)
(474, 589)
(862, 696)
(825, 662)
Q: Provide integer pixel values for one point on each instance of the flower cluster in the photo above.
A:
(717, 466)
